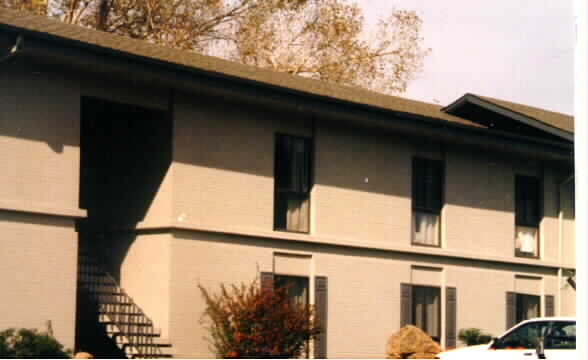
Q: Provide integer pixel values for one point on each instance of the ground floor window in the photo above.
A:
(521, 307)
(426, 310)
(527, 307)
(299, 291)
(297, 287)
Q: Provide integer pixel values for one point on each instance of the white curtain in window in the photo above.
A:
(427, 310)
(526, 241)
(432, 303)
(297, 215)
(426, 228)
(532, 310)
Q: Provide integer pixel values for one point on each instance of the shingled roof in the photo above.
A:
(555, 119)
(80, 37)
(77, 35)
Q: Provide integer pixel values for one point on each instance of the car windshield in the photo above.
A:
(557, 335)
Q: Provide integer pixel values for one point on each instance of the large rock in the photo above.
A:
(411, 342)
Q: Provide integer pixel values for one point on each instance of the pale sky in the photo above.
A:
(516, 50)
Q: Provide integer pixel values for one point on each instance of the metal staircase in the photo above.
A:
(123, 321)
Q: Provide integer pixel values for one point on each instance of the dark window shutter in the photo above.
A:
(405, 305)
(549, 305)
(451, 317)
(511, 309)
(267, 281)
(321, 306)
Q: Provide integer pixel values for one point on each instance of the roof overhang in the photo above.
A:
(73, 55)
(470, 99)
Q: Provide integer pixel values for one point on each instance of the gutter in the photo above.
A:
(16, 48)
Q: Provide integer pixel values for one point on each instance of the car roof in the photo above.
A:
(551, 318)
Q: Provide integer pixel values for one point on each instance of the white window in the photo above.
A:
(526, 241)
(427, 200)
(425, 228)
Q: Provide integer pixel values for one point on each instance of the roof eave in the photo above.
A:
(468, 98)
(91, 58)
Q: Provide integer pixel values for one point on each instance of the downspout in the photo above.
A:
(560, 240)
(14, 50)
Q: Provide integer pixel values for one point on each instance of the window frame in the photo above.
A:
(522, 182)
(285, 193)
(420, 165)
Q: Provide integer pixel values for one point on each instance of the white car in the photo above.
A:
(540, 338)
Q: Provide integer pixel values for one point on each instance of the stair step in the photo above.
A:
(145, 344)
(147, 355)
(109, 293)
(130, 317)
(152, 350)
(123, 321)
(119, 323)
(119, 334)
(115, 309)
(119, 313)
(113, 301)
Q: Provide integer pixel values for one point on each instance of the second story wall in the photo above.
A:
(223, 163)
(39, 143)
(362, 182)
(362, 186)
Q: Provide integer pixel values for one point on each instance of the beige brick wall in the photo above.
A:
(362, 186)
(38, 260)
(208, 260)
(484, 306)
(479, 206)
(224, 163)
(39, 140)
(363, 292)
(141, 265)
(223, 179)
(39, 158)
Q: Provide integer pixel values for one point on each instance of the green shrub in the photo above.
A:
(473, 336)
(249, 322)
(29, 343)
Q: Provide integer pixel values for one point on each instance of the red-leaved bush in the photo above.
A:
(251, 322)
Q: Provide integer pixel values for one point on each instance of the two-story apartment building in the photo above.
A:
(132, 173)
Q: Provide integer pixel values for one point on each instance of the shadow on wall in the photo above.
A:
(225, 135)
(125, 154)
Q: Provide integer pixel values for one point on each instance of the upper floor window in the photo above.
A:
(527, 215)
(427, 201)
(293, 163)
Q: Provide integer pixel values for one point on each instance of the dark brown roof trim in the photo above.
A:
(454, 107)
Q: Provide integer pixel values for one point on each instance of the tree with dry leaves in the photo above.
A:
(321, 39)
